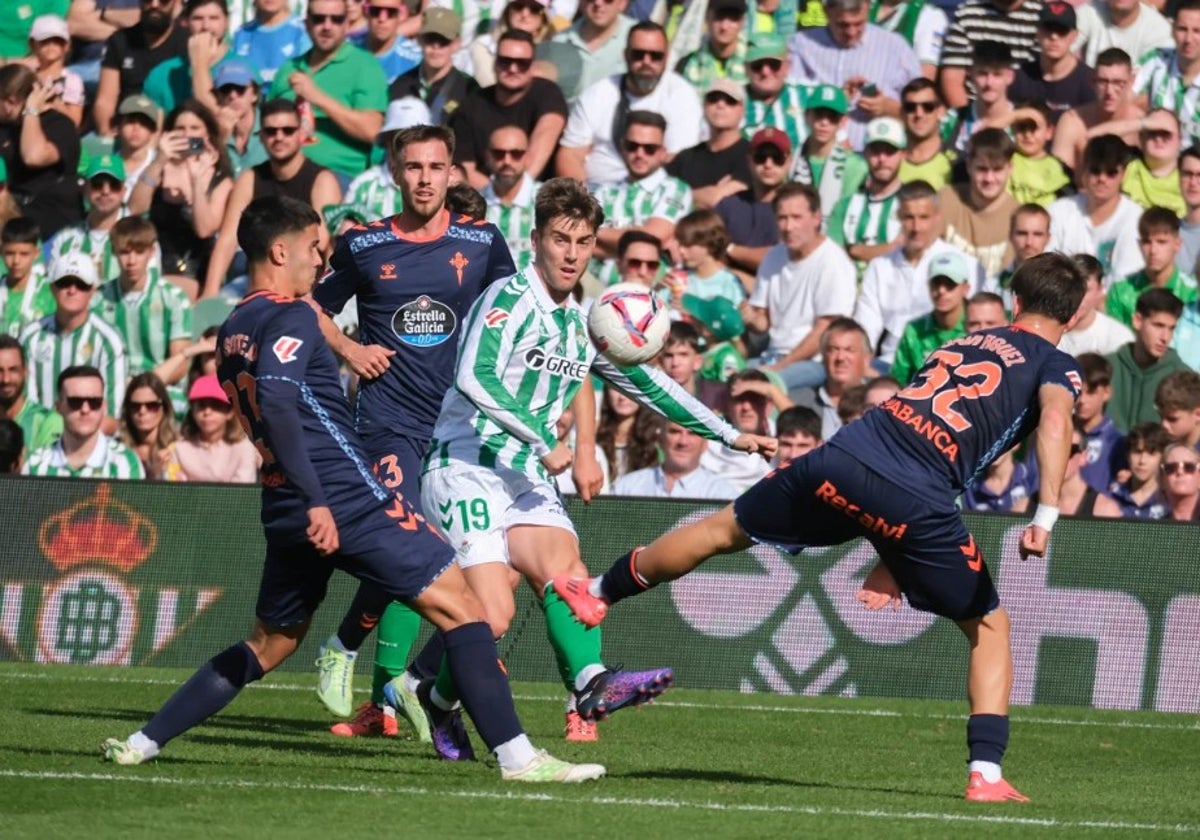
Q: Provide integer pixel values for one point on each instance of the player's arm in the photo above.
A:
(342, 283)
(585, 471)
(1053, 451)
(652, 388)
(226, 245)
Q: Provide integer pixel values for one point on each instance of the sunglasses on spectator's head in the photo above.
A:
(645, 148)
(515, 62)
(646, 55)
(1185, 467)
(383, 11)
(77, 403)
(318, 19)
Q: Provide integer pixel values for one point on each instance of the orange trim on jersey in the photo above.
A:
(445, 225)
(275, 297)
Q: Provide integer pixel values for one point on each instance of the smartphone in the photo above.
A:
(195, 146)
(869, 89)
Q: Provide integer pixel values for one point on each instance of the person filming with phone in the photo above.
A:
(185, 190)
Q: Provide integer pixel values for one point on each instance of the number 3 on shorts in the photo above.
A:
(465, 515)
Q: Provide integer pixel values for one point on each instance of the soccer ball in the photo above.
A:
(628, 324)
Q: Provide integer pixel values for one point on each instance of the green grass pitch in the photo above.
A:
(698, 764)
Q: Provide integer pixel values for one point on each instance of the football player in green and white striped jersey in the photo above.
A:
(522, 357)
(83, 451)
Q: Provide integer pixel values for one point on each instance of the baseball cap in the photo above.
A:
(766, 46)
(771, 137)
(728, 87)
(404, 113)
(46, 27)
(439, 21)
(105, 165)
(886, 130)
(830, 97)
(717, 6)
(718, 314)
(142, 106)
(950, 265)
(1057, 13)
(207, 387)
(75, 265)
(234, 72)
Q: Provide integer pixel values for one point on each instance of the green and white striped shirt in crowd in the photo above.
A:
(786, 113)
(1160, 79)
(861, 220)
(148, 320)
(374, 194)
(20, 309)
(702, 68)
(521, 359)
(515, 220)
(94, 243)
(95, 343)
(633, 203)
(109, 459)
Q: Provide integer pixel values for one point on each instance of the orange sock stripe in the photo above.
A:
(638, 579)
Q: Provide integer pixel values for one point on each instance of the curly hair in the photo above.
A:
(641, 447)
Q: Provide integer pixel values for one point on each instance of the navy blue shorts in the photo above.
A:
(392, 548)
(397, 459)
(828, 497)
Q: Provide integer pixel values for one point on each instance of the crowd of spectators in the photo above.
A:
(822, 194)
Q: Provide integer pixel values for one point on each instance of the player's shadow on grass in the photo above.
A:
(257, 723)
(725, 777)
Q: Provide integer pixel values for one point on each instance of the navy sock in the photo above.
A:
(987, 737)
(482, 686)
(362, 617)
(621, 581)
(429, 660)
(207, 692)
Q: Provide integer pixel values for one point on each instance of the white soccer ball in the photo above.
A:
(628, 324)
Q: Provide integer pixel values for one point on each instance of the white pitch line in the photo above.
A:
(678, 704)
(619, 801)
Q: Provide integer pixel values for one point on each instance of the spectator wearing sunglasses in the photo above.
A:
(104, 182)
(749, 215)
(397, 53)
(1181, 482)
(286, 171)
(129, 56)
(148, 426)
(723, 54)
(648, 199)
(771, 100)
(719, 166)
(344, 87)
(190, 75)
(1075, 497)
(923, 111)
(436, 81)
(74, 335)
(84, 450)
(236, 86)
(822, 161)
(274, 36)
(595, 129)
(534, 105)
(510, 192)
(531, 16)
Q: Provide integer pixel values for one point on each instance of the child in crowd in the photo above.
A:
(1178, 402)
(798, 430)
(24, 295)
(702, 242)
(1103, 441)
(1140, 496)
(1037, 178)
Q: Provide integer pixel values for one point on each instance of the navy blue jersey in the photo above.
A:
(974, 399)
(412, 297)
(283, 380)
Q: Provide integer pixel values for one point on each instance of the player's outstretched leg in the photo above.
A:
(474, 667)
(989, 683)
(670, 556)
(208, 691)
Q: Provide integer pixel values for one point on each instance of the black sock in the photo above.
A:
(366, 608)
(481, 685)
(622, 581)
(987, 737)
(429, 660)
(207, 692)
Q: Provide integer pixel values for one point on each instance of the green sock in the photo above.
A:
(575, 647)
(444, 683)
(398, 628)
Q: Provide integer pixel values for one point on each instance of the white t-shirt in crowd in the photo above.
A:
(1114, 242)
(796, 294)
(1104, 335)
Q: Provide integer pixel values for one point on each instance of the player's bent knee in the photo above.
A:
(273, 645)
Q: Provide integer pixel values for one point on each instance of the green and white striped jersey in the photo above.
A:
(633, 203)
(786, 113)
(516, 220)
(521, 359)
(109, 459)
(94, 343)
(1161, 80)
(374, 194)
(148, 320)
(862, 220)
(94, 243)
(20, 309)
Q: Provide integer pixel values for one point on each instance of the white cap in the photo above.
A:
(75, 265)
(886, 130)
(405, 113)
(46, 27)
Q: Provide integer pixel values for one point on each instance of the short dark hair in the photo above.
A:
(985, 297)
(1049, 284)
(703, 227)
(1154, 301)
(405, 137)
(990, 55)
(1147, 437)
(798, 419)
(683, 332)
(1097, 371)
(465, 199)
(515, 35)
(566, 197)
(267, 219)
(1114, 57)
(919, 84)
(16, 81)
(20, 231)
(77, 372)
(645, 26)
(792, 189)
(12, 443)
(917, 191)
(136, 232)
(632, 237)
(279, 105)
(1091, 267)
(8, 342)
(1158, 220)
(1178, 391)
(1108, 151)
(190, 6)
(1028, 209)
(991, 143)
(653, 119)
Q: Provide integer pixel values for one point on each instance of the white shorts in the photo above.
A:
(473, 507)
